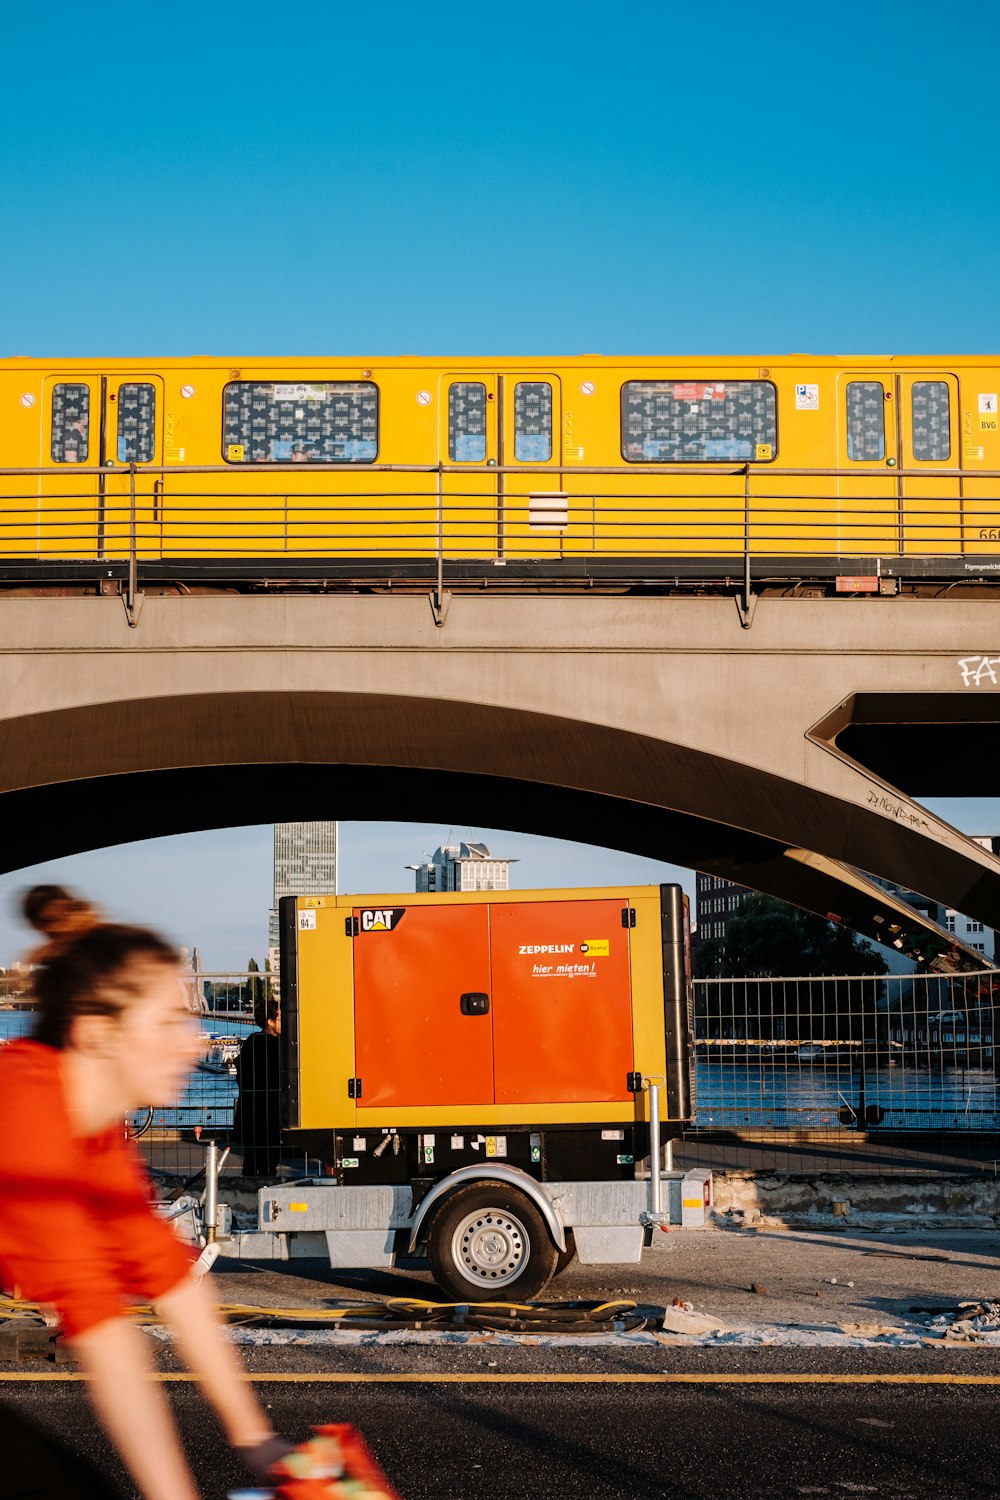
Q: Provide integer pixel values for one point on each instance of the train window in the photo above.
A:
(930, 421)
(865, 420)
(467, 422)
(532, 422)
(279, 422)
(70, 424)
(699, 421)
(136, 424)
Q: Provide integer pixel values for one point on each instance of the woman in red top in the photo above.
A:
(113, 1033)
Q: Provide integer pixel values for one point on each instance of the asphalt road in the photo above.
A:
(461, 1421)
(600, 1430)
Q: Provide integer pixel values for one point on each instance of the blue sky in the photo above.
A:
(523, 179)
(451, 179)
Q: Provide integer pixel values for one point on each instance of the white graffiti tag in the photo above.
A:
(976, 670)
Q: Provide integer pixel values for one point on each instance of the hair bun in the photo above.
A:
(76, 918)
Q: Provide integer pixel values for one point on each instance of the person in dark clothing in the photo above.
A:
(257, 1124)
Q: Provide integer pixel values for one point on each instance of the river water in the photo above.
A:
(209, 1097)
(730, 1093)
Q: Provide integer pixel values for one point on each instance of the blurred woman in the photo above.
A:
(113, 1032)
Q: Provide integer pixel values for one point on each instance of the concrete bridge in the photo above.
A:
(780, 756)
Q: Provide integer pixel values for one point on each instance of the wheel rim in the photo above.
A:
(490, 1247)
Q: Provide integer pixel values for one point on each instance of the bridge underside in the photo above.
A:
(658, 726)
(152, 767)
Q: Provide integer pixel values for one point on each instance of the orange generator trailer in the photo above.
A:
(481, 1075)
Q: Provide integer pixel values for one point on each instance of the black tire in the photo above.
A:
(565, 1258)
(489, 1243)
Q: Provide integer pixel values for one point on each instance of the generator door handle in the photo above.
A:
(475, 1003)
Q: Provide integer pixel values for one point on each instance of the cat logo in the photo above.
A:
(381, 919)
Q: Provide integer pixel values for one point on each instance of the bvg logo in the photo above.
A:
(381, 919)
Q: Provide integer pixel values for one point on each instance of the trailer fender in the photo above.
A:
(495, 1172)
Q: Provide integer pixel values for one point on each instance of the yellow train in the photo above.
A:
(590, 467)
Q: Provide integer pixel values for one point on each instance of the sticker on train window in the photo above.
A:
(930, 421)
(865, 421)
(699, 421)
(297, 422)
(467, 422)
(532, 421)
(136, 423)
(70, 424)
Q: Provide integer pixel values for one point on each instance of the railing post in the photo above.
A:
(133, 600)
(747, 604)
(439, 602)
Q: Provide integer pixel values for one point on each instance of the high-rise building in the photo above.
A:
(716, 903)
(463, 867)
(305, 863)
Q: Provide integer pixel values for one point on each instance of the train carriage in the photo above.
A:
(623, 471)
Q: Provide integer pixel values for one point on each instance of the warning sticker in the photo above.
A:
(807, 398)
(309, 901)
(496, 1145)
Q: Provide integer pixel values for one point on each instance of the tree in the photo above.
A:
(767, 937)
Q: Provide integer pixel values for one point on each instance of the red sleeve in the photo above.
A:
(76, 1229)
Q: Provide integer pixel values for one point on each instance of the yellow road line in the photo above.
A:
(324, 1377)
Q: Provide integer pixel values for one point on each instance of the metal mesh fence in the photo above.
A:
(862, 1074)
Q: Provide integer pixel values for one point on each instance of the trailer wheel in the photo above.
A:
(488, 1241)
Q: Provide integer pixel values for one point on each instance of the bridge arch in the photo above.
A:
(91, 774)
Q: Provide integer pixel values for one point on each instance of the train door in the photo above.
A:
(98, 425)
(469, 445)
(927, 411)
(132, 433)
(867, 517)
(423, 1023)
(534, 515)
(68, 522)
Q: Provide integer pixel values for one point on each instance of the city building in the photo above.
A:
(717, 901)
(305, 863)
(463, 867)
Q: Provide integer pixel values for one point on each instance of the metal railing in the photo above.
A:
(134, 514)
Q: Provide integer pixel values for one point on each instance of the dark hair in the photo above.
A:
(36, 902)
(272, 1010)
(93, 976)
